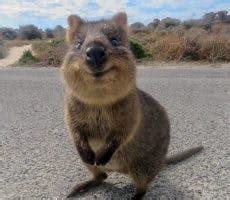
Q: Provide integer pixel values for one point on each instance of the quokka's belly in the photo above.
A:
(96, 144)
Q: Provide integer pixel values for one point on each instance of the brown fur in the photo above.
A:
(114, 125)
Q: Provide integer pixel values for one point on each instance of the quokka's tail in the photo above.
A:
(174, 159)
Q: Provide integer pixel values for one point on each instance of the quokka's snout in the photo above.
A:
(96, 56)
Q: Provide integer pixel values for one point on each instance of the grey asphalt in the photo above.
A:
(38, 160)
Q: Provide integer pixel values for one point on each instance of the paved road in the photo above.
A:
(40, 161)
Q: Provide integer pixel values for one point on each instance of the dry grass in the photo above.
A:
(187, 45)
(16, 43)
(178, 44)
(50, 52)
(216, 48)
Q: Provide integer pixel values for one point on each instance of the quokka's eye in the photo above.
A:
(114, 42)
(79, 44)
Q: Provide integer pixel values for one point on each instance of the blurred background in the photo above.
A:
(160, 30)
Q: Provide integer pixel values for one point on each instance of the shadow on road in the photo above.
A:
(161, 190)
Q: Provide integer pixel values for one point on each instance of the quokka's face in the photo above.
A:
(99, 67)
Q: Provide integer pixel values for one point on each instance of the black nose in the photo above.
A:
(96, 55)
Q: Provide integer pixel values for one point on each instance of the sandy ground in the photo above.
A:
(13, 55)
(39, 161)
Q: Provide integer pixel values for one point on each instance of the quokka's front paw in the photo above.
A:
(102, 158)
(88, 157)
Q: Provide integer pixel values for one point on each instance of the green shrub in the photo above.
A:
(3, 50)
(56, 43)
(27, 58)
(1, 55)
(138, 50)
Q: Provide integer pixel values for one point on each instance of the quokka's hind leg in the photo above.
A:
(140, 184)
(98, 177)
(141, 181)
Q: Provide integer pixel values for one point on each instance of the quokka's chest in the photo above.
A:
(97, 123)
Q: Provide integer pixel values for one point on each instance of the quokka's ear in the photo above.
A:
(74, 23)
(121, 20)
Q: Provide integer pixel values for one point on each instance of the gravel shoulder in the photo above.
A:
(38, 160)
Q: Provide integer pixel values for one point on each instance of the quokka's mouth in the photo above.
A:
(98, 74)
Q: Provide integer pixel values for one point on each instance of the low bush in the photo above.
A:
(185, 44)
(49, 33)
(215, 49)
(27, 58)
(56, 43)
(3, 50)
(138, 49)
(51, 52)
